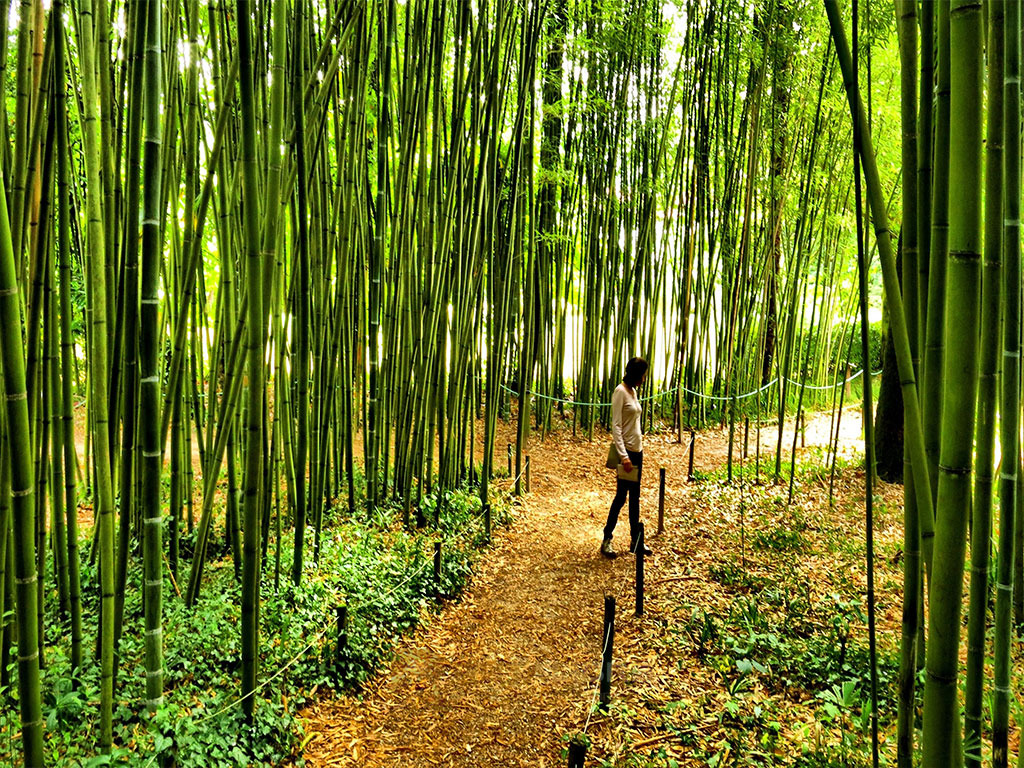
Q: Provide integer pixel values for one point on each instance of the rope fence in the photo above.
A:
(701, 395)
(602, 684)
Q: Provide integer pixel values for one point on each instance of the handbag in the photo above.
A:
(632, 476)
(613, 460)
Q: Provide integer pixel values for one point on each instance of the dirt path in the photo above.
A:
(499, 677)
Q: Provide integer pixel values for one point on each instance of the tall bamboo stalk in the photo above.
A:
(152, 252)
(907, 18)
(98, 272)
(22, 501)
(254, 346)
(941, 710)
(988, 363)
(1009, 394)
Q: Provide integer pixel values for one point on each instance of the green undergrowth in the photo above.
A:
(814, 465)
(783, 638)
(384, 575)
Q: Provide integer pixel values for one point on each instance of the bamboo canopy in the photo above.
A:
(272, 263)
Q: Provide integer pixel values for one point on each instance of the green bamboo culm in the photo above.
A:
(988, 364)
(127, 321)
(152, 248)
(893, 298)
(22, 497)
(906, 12)
(96, 269)
(254, 443)
(66, 334)
(931, 381)
(1009, 396)
(869, 428)
(377, 256)
(301, 250)
(940, 747)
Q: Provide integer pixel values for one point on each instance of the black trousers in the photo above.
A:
(623, 489)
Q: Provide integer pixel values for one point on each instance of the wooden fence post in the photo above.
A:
(661, 501)
(608, 640)
(640, 572)
(689, 471)
(577, 751)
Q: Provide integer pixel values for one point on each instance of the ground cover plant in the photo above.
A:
(753, 649)
(383, 575)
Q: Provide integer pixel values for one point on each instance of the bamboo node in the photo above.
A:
(964, 255)
(956, 471)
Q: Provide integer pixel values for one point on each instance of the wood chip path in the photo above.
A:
(501, 676)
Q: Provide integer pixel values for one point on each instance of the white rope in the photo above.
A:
(716, 398)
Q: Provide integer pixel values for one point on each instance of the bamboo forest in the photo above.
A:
(511, 383)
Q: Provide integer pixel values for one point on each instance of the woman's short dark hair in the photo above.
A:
(635, 370)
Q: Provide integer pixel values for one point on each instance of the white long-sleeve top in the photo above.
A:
(626, 412)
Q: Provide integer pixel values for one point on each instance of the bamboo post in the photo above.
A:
(757, 455)
(661, 500)
(689, 471)
(640, 572)
(527, 473)
(746, 437)
(487, 521)
(577, 752)
(510, 459)
(608, 639)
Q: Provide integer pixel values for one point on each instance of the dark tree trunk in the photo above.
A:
(889, 412)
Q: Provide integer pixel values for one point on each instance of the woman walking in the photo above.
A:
(628, 441)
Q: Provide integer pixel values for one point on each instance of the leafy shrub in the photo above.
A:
(382, 572)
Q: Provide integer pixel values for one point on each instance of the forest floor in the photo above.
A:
(751, 649)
